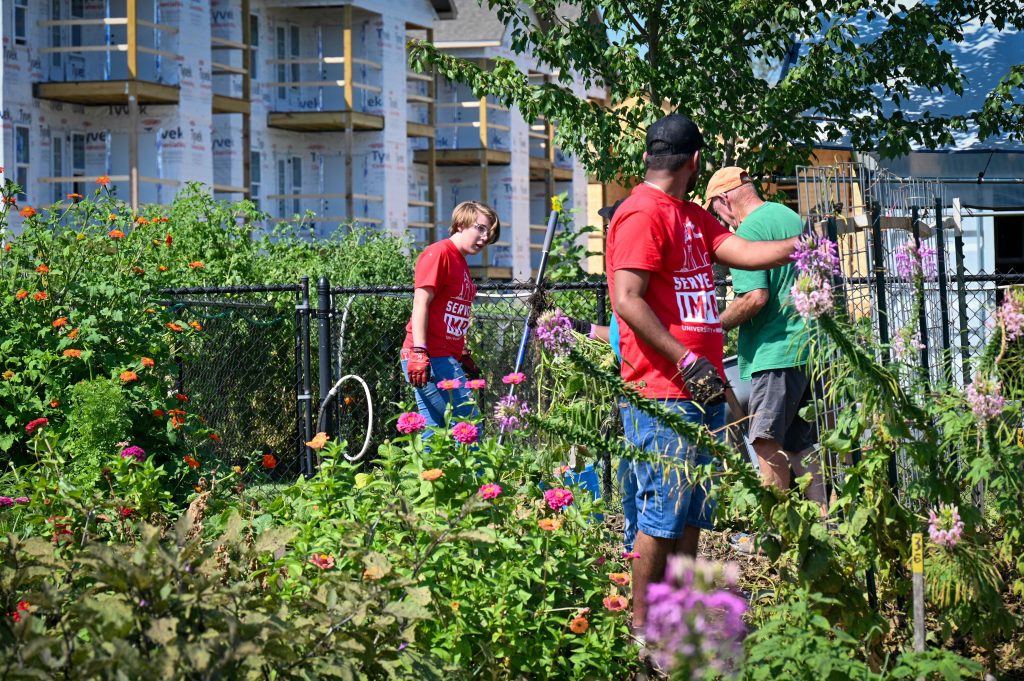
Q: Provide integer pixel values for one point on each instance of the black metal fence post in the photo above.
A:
(940, 266)
(606, 456)
(837, 281)
(922, 316)
(323, 324)
(306, 396)
(878, 272)
(961, 296)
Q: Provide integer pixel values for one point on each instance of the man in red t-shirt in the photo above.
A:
(659, 253)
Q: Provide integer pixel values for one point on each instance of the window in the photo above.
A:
(296, 67)
(1009, 247)
(55, 33)
(20, 22)
(282, 174)
(21, 158)
(57, 167)
(78, 160)
(296, 183)
(282, 70)
(254, 178)
(254, 42)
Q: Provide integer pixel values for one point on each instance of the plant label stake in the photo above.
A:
(917, 570)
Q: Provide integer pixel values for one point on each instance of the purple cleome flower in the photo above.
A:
(945, 527)
(986, 399)
(554, 331)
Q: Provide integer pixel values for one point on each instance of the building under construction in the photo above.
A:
(300, 105)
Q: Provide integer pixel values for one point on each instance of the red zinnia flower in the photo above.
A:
(269, 462)
(115, 234)
(148, 362)
(174, 326)
(36, 424)
(126, 512)
(196, 325)
(11, 200)
(75, 197)
(21, 295)
(42, 268)
(196, 265)
(192, 461)
(214, 437)
(181, 397)
(162, 268)
(103, 180)
(141, 221)
(168, 240)
(59, 322)
(40, 296)
(138, 270)
(129, 376)
(24, 606)
(28, 212)
(159, 413)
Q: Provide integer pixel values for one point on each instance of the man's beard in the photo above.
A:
(691, 183)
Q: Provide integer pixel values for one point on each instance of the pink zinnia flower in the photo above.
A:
(615, 602)
(36, 424)
(476, 384)
(630, 555)
(21, 500)
(558, 498)
(133, 452)
(6, 501)
(411, 422)
(466, 433)
(449, 384)
(513, 379)
(324, 561)
(489, 491)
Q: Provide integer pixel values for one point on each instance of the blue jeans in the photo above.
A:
(432, 402)
(657, 499)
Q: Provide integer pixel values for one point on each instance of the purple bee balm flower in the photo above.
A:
(22, 500)
(510, 412)
(133, 452)
(6, 501)
(985, 397)
(554, 331)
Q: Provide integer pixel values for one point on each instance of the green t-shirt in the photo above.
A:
(775, 337)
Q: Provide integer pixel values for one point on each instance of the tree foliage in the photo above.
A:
(862, 63)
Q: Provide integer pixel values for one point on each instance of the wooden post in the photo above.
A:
(247, 96)
(432, 149)
(133, 103)
(484, 177)
(346, 30)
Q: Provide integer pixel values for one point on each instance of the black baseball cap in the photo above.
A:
(674, 134)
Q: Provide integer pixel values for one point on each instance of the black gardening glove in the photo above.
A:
(469, 367)
(702, 380)
(581, 326)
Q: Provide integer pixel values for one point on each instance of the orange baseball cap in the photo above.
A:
(724, 180)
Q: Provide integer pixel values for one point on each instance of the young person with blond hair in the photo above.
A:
(435, 337)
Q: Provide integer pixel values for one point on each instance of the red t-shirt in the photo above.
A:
(672, 240)
(442, 267)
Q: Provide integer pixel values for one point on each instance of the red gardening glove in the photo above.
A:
(469, 366)
(418, 367)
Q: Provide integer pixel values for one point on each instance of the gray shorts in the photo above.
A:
(776, 398)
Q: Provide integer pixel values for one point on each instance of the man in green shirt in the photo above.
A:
(772, 339)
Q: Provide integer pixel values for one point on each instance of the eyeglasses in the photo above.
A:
(483, 229)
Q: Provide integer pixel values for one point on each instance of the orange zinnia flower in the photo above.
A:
(148, 362)
(59, 322)
(196, 265)
(192, 461)
(432, 474)
(159, 413)
(615, 602)
(138, 270)
(75, 197)
(549, 524)
(72, 352)
(8, 374)
(54, 403)
(162, 268)
(42, 268)
(620, 578)
(214, 437)
(40, 296)
(181, 397)
(174, 326)
(177, 421)
(579, 625)
(177, 412)
(21, 295)
(112, 216)
(115, 234)
(28, 212)
(196, 325)
(323, 561)
(269, 462)
(73, 334)
(103, 180)
(129, 376)
(141, 221)
(318, 441)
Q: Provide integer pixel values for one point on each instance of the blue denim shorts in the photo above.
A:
(656, 499)
(432, 402)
